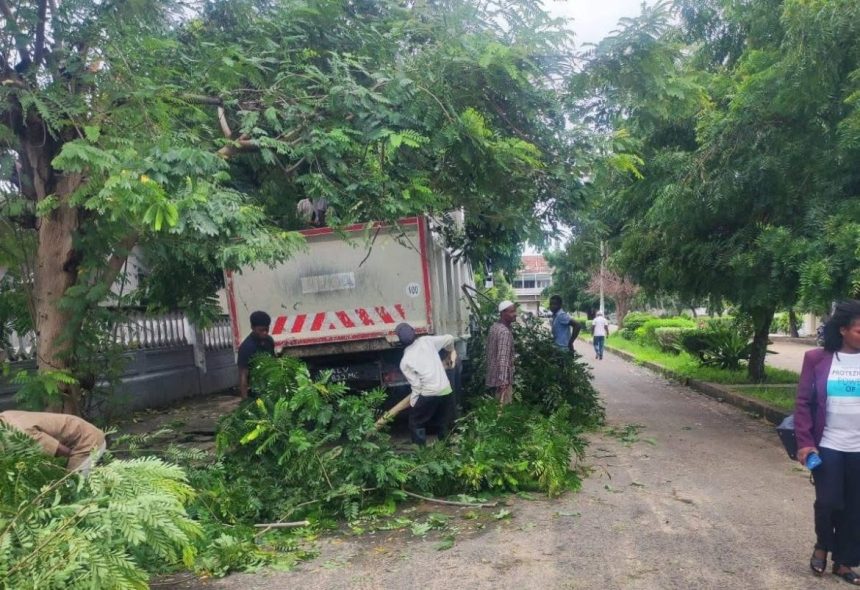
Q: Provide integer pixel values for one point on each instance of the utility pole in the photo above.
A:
(602, 259)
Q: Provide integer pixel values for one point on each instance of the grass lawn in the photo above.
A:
(780, 397)
(686, 366)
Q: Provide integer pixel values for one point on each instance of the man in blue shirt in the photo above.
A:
(564, 328)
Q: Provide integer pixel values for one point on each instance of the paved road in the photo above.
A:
(789, 354)
(704, 499)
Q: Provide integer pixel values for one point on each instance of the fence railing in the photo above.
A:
(140, 331)
(219, 335)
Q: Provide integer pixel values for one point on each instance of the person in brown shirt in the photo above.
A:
(60, 435)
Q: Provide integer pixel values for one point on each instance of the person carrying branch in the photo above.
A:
(60, 435)
(431, 390)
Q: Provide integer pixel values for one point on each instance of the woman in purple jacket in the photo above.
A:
(827, 422)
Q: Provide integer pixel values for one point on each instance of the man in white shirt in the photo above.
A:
(600, 331)
(431, 389)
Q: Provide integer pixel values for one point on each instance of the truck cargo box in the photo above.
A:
(346, 293)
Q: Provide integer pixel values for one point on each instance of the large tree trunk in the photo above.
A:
(56, 267)
(762, 319)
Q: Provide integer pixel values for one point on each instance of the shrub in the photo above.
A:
(632, 321)
(645, 333)
(713, 322)
(669, 339)
(780, 324)
(718, 346)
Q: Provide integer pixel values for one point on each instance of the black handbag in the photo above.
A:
(786, 435)
(786, 428)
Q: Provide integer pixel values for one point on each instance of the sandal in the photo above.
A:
(849, 576)
(818, 565)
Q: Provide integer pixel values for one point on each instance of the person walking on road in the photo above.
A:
(60, 435)
(257, 342)
(431, 390)
(827, 422)
(500, 354)
(564, 328)
(599, 332)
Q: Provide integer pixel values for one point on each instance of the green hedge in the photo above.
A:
(632, 321)
(645, 333)
(669, 339)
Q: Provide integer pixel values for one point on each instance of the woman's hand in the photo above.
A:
(803, 453)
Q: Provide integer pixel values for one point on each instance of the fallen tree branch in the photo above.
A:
(391, 413)
(449, 502)
(283, 525)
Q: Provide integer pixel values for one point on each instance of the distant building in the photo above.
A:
(534, 276)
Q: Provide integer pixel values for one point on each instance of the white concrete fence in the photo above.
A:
(166, 359)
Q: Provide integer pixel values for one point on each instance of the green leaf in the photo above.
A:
(92, 133)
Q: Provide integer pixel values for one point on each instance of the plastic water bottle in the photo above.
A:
(812, 461)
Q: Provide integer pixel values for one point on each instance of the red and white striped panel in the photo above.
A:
(363, 317)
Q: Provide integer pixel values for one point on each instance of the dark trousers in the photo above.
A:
(837, 505)
(437, 410)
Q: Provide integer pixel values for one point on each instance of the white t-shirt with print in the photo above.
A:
(842, 425)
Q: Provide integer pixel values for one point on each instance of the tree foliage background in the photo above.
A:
(738, 122)
(191, 129)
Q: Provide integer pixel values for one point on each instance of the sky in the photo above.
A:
(593, 19)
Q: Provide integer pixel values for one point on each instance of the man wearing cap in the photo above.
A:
(431, 390)
(257, 342)
(500, 354)
(600, 331)
(60, 435)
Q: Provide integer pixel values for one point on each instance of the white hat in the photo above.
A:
(505, 304)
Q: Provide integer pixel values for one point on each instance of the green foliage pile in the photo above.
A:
(517, 448)
(308, 449)
(553, 379)
(60, 531)
(632, 322)
(315, 444)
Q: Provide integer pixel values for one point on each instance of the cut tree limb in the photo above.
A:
(283, 525)
(390, 414)
(450, 502)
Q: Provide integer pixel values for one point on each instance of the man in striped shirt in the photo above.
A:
(500, 354)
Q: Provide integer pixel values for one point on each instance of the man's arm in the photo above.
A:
(244, 388)
(49, 444)
(445, 341)
(243, 360)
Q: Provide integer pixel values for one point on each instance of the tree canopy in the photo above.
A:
(743, 116)
(191, 130)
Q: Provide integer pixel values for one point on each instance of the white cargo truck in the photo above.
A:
(336, 304)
